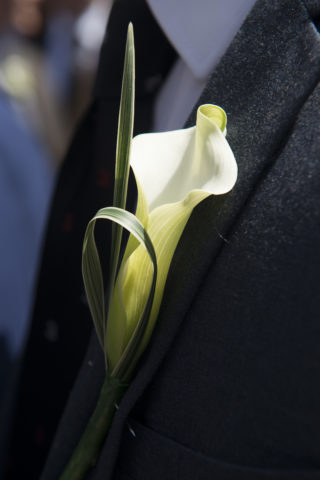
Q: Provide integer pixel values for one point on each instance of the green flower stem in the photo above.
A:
(87, 451)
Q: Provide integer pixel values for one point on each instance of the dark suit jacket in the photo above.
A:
(229, 386)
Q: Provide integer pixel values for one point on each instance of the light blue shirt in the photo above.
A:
(26, 180)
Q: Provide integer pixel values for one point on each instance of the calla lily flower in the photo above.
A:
(174, 172)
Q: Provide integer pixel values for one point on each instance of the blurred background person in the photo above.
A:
(48, 55)
(26, 180)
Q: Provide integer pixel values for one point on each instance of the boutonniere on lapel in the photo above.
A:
(174, 172)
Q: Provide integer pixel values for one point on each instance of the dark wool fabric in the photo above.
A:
(229, 386)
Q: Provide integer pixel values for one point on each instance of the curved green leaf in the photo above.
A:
(93, 281)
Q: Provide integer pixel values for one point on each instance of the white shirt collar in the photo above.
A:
(201, 30)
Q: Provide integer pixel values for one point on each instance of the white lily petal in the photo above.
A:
(169, 165)
(174, 172)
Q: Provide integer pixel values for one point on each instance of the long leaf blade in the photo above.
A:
(125, 131)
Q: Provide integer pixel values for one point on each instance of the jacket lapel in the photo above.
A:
(270, 69)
